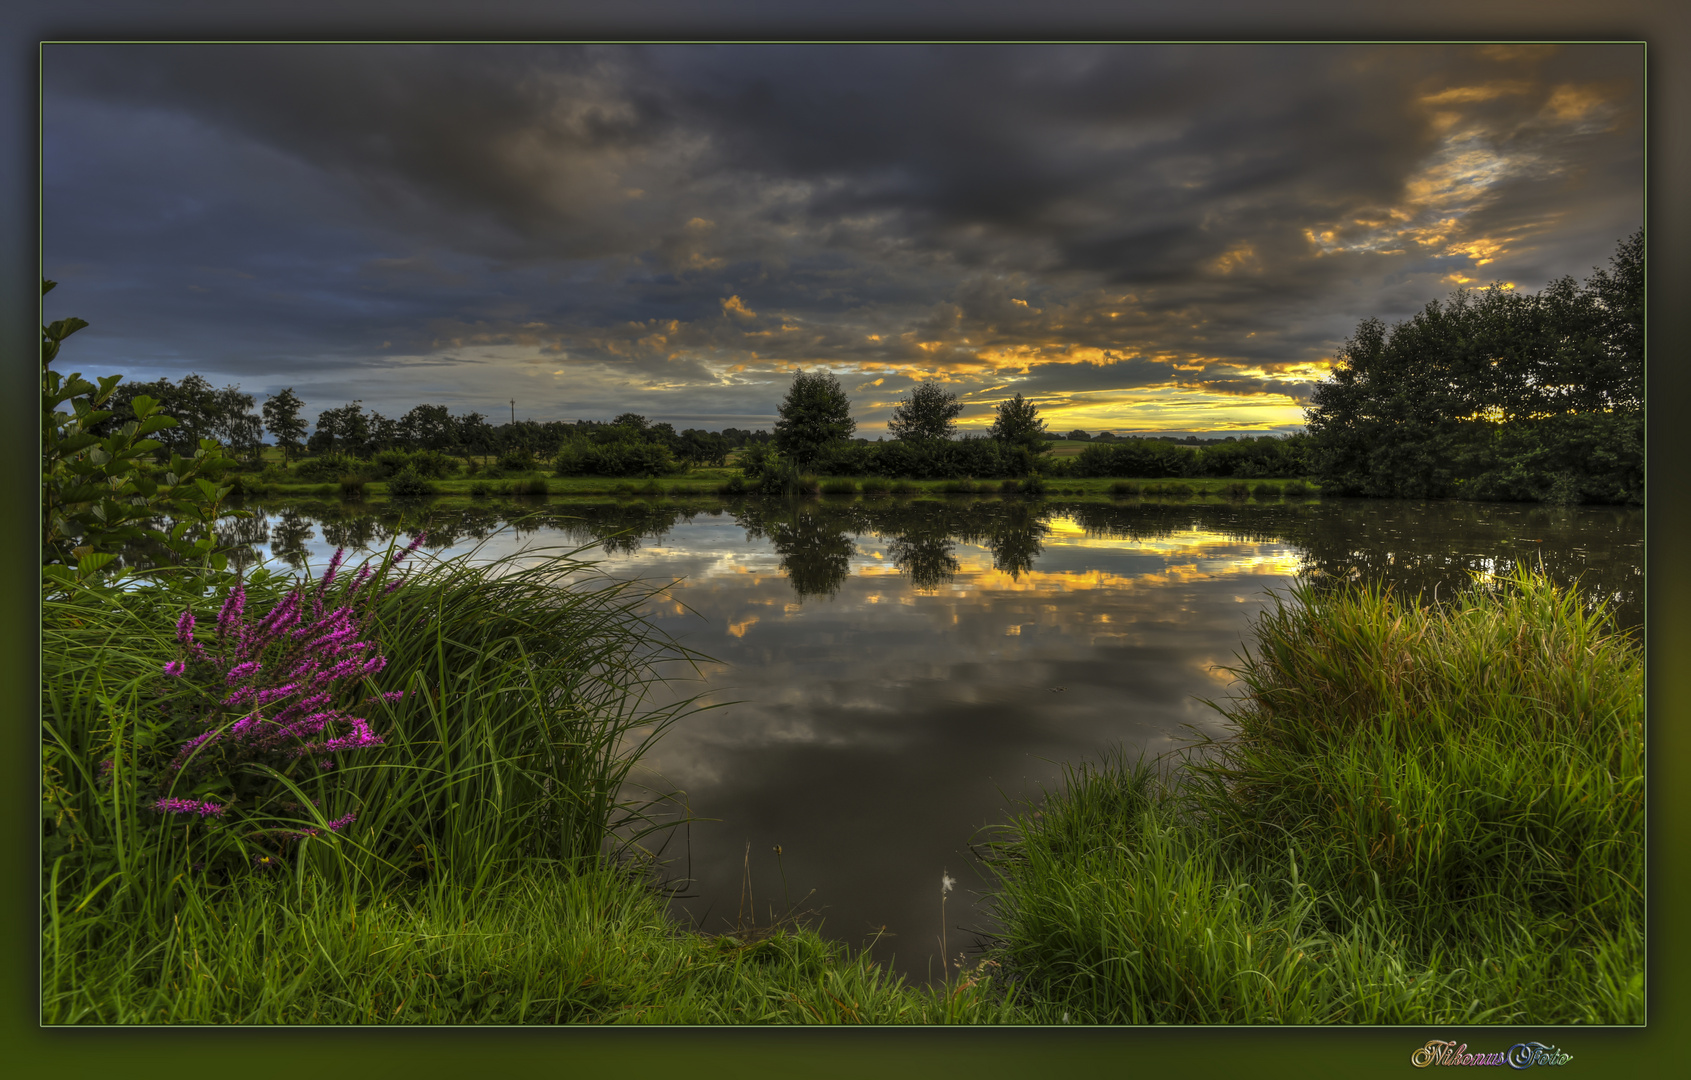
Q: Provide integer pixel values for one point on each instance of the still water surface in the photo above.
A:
(904, 672)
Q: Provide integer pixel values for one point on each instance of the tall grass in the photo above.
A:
(1428, 815)
(539, 947)
(525, 708)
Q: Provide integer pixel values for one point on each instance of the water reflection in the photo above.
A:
(901, 666)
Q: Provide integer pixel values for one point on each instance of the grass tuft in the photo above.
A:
(1428, 816)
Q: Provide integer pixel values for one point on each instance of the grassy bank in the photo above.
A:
(479, 865)
(1426, 817)
(715, 483)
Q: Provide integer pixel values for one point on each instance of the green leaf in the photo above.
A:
(63, 328)
(90, 564)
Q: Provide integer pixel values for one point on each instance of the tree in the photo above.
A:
(200, 410)
(815, 414)
(1488, 394)
(1018, 424)
(474, 434)
(282, 420)
(428, 427)
(929, 412)
(703, 447)
(345, 429)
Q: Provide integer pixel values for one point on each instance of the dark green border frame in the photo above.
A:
(837, 1053)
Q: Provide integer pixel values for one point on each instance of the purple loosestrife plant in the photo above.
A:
(278, 690)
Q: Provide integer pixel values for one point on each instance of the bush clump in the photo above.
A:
(408, 485)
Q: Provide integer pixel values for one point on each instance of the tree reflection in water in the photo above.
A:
(1418, 548)
(815, 553)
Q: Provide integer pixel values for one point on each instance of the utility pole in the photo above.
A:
(513, 410)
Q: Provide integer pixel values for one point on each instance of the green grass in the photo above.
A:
(496, 872)
(1427, 817)
(540, 947)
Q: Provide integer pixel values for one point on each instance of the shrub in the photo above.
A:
(1296, 489)
(1009, 487)
(736, 485)
(784, 479)
(516, 461)
(1033, 485)
(839, 485)
(1236, 491)
(427, 463)
(615, 459)
(1125, 488)
(905, 487)
(352, 488)
(408, 485)
(330, 467)
(480, 489)
(534, 488)
(1266, 491)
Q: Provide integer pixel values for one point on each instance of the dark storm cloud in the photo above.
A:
(684, 224)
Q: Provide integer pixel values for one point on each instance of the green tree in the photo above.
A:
(103, 493)
(282, 420)
(345, 429)
(473, 433)
(814, 415)
(200, 410)
(929, 411)
(428, 427)
(1476, 395)
(1018, 424)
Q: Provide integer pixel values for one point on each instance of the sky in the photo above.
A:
(1145, 239)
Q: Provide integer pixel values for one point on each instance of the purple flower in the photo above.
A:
(242, 671)
(189, 806)
(342, 822)
(175, 668)
(185, 628)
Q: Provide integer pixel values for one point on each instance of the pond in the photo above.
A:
(903, 672)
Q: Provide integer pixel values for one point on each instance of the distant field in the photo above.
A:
(1067, 448)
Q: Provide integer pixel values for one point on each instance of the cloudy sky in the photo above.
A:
(1141, 238)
